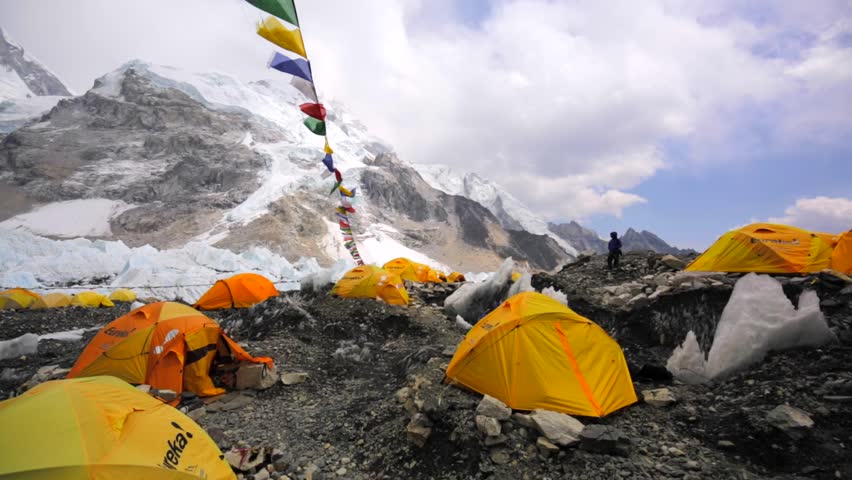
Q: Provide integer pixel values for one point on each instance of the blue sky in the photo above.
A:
(683, 118)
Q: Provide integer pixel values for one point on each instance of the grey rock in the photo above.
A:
(523, 420)
(545, 447)
(659, 397)
(792, 421)
(293, 378)
(418, 429)
(673, 262)
(487, 425)
(559, 428)
(497, 440)
(500, 456)
(494, 408)
(605, 439)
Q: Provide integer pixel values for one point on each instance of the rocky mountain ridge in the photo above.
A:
(588, 241)
(203, 157)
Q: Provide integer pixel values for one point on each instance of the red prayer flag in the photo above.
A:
(315, 110)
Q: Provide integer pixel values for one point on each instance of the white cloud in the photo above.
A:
(570, 98)
(822, 214)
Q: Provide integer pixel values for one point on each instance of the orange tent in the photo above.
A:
(239, 291)
(456, 277)
(841, 258)
(166, 345)
(767, 248)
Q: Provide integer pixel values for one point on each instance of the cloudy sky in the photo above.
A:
(684, 118)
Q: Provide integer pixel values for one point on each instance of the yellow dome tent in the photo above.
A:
(534, 352)
(240, 291)
(412, 271)
(101, 427)
(20, 298)
(841, 258)
(767, 248)
(123, 295)
(57, 300)
(91, 299)
(370, 281)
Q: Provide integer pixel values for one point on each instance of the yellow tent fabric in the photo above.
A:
(101, 427)
(370, 281)
(20, 298)
(841, 258)
(767, 248)
(456, 277)
(411, 270)
(534, 352)
(91, 300)
(123, 295)
(57, 300)
(275, 31)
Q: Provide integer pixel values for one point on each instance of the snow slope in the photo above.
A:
(512, 213)
(73, 218)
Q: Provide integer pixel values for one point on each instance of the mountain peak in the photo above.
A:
(25, 73)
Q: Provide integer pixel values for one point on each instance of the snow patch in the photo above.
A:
(758, 318)
(26, 344)
(73, 218)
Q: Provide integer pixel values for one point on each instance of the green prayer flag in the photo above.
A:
(283, 9)
(315, 126)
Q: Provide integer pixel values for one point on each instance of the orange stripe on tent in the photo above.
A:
(576, 368)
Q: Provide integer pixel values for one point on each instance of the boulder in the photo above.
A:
(673, 262)
(418, 429)
(494, 408)
(487, 425)
(658, 397)
(604, 439)
(255, 376)
(792, 421)
(559, 428)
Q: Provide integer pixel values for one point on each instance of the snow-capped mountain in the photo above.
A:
(513, 214)
(173, 157)
(27, 88)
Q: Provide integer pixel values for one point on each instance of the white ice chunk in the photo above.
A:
(758, 318)
(475, 300)
(26, 344)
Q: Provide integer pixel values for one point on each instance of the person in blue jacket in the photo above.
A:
(614, 251)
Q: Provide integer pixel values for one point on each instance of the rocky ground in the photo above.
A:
(372, 403)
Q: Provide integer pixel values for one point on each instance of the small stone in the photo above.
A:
(500, 456)
(659, 397)
(197, 413)
(496, 440)
(144, 388)
(494, 408)
(418, 429)
(523, 420)
(838, 398)
(692, 465)
(559, 428)
(238, 402)
(676, 452)
(293, 378)
(166, 395)
(487, 425)
(263, 474)
(545, 447)
(725, 444)
(341, 471)
(790, 420)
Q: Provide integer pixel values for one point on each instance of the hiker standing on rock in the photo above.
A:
(614, 251)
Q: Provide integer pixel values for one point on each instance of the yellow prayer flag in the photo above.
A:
(275, 31)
